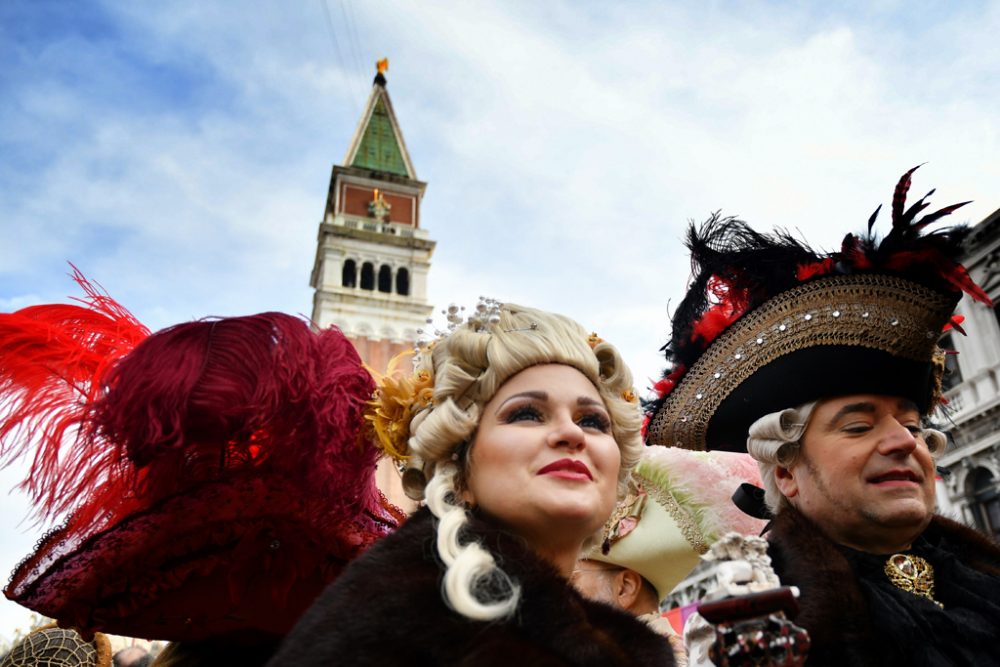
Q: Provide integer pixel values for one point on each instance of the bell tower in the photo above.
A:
(372, 255)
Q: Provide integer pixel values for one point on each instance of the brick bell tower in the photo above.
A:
(372, 256)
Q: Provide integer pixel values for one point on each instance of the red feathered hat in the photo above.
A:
(769, 323)
(213, 474)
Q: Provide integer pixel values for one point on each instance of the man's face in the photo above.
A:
(865, 475)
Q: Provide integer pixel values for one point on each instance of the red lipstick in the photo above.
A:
(568, 469)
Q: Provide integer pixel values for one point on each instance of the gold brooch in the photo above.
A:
(912, 574)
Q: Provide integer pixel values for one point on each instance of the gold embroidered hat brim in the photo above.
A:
(836, 335)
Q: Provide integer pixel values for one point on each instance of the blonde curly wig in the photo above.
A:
(466, 369)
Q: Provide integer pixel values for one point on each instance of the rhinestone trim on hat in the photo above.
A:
(874, 311)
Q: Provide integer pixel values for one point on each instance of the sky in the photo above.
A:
(179, 153)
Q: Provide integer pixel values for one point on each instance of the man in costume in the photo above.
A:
(829, 363)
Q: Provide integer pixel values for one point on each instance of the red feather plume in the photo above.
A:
(954, 273)
(54, 360)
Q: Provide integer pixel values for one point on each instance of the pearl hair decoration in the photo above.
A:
(485, 315)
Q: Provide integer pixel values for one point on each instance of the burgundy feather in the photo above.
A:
(260, 394)
(899, 196)
(956, 324)
(714, 321)
(235, 441)
(915, 209)
(874, 216)
(114, 425)
(814, 269)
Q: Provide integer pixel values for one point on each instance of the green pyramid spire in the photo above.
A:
(379, 149)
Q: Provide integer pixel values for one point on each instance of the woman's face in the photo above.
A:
(544, 462)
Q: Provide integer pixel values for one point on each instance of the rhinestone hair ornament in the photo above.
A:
(400, 394)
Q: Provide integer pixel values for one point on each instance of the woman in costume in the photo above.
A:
(519, 431)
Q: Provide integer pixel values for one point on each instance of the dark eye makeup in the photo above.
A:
(523, 413)
(593, 420)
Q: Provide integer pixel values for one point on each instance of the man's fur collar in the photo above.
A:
(833, 608)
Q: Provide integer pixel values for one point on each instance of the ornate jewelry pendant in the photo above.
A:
(912, 574)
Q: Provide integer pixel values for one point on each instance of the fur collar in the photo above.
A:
(835, 607)
(386, 609)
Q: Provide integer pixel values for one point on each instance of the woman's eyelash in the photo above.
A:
(595, 420)
(522, 413)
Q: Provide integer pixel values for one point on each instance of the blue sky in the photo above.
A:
(179, 153)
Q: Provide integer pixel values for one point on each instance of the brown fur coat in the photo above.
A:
(386, 609)
(856, 617)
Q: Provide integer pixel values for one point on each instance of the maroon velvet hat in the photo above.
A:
(213, 475)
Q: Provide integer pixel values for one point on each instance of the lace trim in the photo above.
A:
(684, 520)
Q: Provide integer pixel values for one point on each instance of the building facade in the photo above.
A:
(969, 488)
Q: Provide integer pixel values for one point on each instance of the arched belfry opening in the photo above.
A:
(402, 281)
(349, 276)
(367, 276)
(385, 279)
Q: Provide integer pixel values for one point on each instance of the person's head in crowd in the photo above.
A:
(51, 646)
(861, 466)
(132, 656)
(679, 503)
(520, 416)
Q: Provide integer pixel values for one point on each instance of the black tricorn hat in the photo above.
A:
(769, 323)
